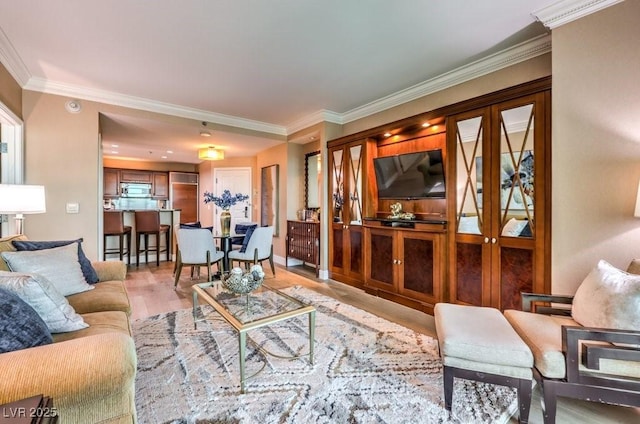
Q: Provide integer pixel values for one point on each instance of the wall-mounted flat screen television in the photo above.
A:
(411, 175)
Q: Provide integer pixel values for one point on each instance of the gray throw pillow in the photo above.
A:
(59, 265)
(20, 325)
(608, 298)
(51, 306)
(90, 274)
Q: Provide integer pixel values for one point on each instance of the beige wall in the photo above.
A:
(62, 152)
(10, 92)
(596, 143)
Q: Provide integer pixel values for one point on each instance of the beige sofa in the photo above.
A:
(89, 373)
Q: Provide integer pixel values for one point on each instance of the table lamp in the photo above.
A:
(20, 199)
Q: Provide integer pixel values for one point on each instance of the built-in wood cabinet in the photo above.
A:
(500, 236)
(160, 185)
(113, 177)
(406, 263)
(494, 240)
(349, 189)
(303, 242)
(111, 183)
(135, 176)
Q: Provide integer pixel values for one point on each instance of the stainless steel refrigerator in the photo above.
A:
(183, 195)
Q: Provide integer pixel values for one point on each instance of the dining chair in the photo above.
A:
(196, 247)
(259, 248)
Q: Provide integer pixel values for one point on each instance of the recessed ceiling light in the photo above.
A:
(169, 151)
(115, 152)
(163, 157)
(115, 145)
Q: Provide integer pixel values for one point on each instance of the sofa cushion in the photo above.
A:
(99, 323)
(479, 334)
(543, 335)
(43, 297)
(85, 264)
(59, 265)
(110, 270)
(20, 325)
(608, 298)
(6, 245)
(107, 296)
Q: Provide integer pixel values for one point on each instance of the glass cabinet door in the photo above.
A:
(469, 175)
(517, 172)
(337, 185)
(355, 184)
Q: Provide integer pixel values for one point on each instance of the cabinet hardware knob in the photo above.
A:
(486, 239)
(494, 240)
(399, 262)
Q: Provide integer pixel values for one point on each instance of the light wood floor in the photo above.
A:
(151, 290)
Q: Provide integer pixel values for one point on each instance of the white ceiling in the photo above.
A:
(261, 69)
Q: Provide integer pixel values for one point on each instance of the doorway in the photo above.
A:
(236, 180)
(11, 157)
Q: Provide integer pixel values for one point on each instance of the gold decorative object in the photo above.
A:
(225, 222)
(396, 212)
(243, 283)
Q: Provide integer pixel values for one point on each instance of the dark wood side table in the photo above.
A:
(34, 410)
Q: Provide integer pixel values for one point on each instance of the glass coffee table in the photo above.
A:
(261, 307)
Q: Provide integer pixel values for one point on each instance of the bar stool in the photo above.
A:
(113, 225)
(148, 223)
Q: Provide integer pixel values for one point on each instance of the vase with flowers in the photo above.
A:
(225, 201)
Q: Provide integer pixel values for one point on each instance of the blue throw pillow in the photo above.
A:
(20, 325)
(247, 236)
(242, 228)
(89, 273)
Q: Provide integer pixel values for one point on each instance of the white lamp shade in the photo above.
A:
(22, 199)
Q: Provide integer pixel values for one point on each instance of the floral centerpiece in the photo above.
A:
(225, 202)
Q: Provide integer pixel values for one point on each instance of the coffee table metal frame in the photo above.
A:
(243, 328)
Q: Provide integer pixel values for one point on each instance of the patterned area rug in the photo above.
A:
(366, 370)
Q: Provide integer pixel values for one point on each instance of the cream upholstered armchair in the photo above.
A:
(590, 350)
(259, 248)
(196, 247)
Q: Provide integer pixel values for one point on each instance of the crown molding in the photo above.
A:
(11, 60)
(519, 53)
(566, 11)
(313, 119)
(117, 99)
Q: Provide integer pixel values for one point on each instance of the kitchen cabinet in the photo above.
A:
(500, 212)
(111, 183)
(160, 185)
(349, 190)
(405, 265)
(135, 176)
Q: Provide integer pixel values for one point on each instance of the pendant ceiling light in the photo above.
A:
(211, 153)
